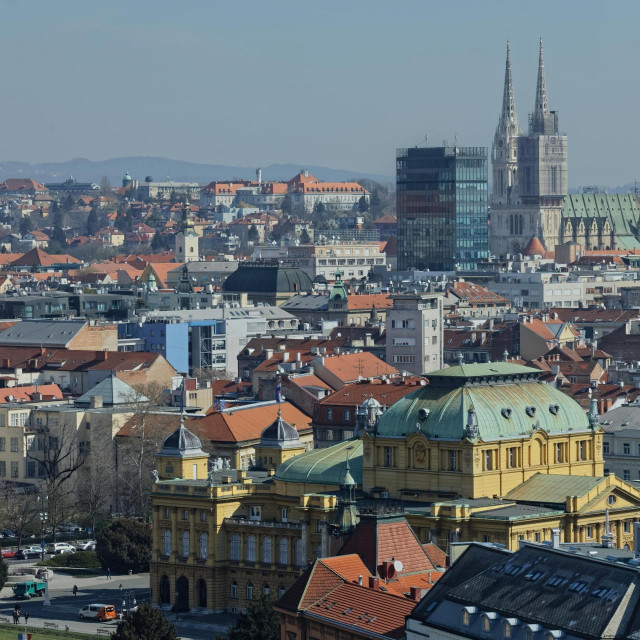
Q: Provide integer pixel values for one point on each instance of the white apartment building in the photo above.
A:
(621, 441)
(354, 259)
(414, 332)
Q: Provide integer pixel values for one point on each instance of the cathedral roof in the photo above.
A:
(534, 248)
(498, 400)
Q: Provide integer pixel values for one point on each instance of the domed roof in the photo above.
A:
(534, 248)
(182, 444)
(492, 401)
(280, 434)
(261, 277)
(324, 466)
(127, 177)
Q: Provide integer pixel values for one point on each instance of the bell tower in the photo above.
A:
(186, 249)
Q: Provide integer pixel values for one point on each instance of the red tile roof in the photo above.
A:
(39, 258)
(349, 367)
(366, 301)
(26, 393)
(534, 248)
(475, 294)
(385, 392)
(246, 423)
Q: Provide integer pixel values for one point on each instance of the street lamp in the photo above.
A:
(43, 517)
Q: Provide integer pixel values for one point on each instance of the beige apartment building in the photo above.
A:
(354, 259)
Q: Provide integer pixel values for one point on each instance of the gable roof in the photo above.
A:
(52, 333)
(349, 367)
(36, 257)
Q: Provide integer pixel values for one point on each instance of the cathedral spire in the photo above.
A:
(541, 108)
(508, 115)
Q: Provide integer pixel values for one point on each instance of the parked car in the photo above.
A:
(70, 527)
(90, 545)
(7, 533)
(57, 547)
(100, 612)
(29, 552)
(28, 589)
(8, 553)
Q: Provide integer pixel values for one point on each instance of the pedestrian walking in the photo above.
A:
(121, 587)
(75, 589)
(26, 617)
(108, 573)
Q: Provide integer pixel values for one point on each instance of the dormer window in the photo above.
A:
(507, 630)
(466, 618)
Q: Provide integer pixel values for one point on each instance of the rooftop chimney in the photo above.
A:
(374, 583)
(96, 402)
(416, 593)
(360, 576)
(555, 538)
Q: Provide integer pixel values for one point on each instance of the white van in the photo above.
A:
(60, 547)
(100, 612)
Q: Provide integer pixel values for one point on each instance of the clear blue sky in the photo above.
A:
(340, 83)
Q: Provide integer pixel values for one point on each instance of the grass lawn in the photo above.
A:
(11, 631)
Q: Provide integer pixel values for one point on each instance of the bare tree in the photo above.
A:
(18, 512)
(203, 374)
(59, 456)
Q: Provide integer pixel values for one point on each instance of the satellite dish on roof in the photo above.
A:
(398, 566)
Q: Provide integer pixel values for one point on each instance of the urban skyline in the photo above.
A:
(134, 55)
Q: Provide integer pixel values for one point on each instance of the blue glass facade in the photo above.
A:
(442, 208)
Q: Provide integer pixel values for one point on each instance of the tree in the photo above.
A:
(105, 185)
(125, 545)
(26, 225)
(305, 238)
(286, 204)
(252, 234)
(58, 243)
(318, 208)
(146, 623)
(68, 203)
(17, 512)
(4, 572)
(260, 622)
(93, 222)
(363, 205)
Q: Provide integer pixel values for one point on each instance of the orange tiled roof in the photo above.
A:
(38, 257)
(246, 423)
(349, 367)
(368, 301)
(23, 394)
(474, 293)
(385, 393)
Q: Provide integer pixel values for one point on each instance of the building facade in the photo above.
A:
(414, 333)
(442, 207)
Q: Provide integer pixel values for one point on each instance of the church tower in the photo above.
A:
(542, 169)
(504, 158)
(187, 238)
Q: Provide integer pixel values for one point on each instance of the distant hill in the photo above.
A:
(85, 170)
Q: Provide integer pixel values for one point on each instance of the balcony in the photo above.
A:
(262, 523)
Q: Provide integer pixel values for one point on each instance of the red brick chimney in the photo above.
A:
(416, 594)
(374, 583)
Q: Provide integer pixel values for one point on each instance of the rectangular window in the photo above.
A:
(185, 514)
(605, 448)
(2, 444)
(487, 460)
(582, 450)
(3, 469)
(283, 514)
(589, 532)
(13, 419)
(513, 457)
(453, 460)
(388, 456)
(626, 474)
(559, 453)
(31, 469)
(626, 527)
(14, 469)
(255, 512)
(165, 512)
(626, 448)
(14, 445)
(203, 516)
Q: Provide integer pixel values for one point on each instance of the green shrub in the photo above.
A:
(80, 559)
(125, 545)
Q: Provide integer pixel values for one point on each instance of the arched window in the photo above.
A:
(283, 551)
(266, 590)
(184, 544)
(249, 591)
(507, 629)
(204, 546)
(267, 550)
(298, 552)
(234, 589)
(486, 624)
(236, 550)
(166, 542)
(250, 548)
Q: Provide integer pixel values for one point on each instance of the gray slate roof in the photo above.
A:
(551, 589)
(621, 419)
(112, 391)
(49, 333)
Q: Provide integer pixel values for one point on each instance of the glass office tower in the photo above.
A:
(442, 207)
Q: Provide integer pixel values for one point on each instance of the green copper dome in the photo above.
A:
(492, 401)
(324, 466)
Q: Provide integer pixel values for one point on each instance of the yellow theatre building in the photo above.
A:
(484, 452)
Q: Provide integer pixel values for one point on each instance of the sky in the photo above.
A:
(338, 83)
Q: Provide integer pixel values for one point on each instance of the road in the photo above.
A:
(65, 607)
